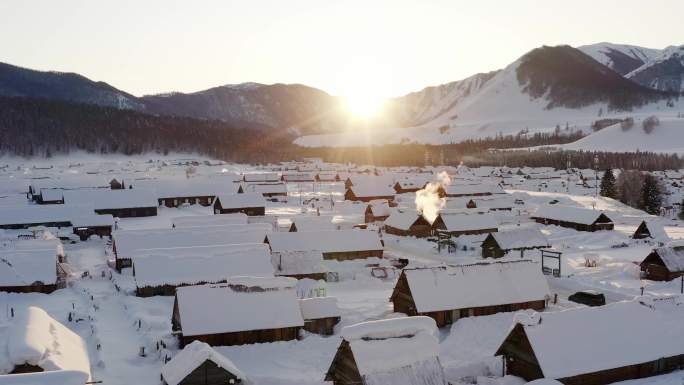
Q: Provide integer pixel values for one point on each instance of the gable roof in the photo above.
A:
(205, 264)
(209, 220)
(372, 190)
(403, 220)
(379, 207)
(35, 338)
(192, 356)
(238, 201)
(325, 241)
(399, 348)
(464, 222)
(568, 214)
(319, 307)
(103, 199)
(520, 239)
(214, 309)
(23, 268)
(482, 284)
(618, 334)
(672, 256)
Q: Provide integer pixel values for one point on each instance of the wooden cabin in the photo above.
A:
(447, 294)
(664, 263)
(86, 226)
(38, 349)
(199, 364)
(339, 245)
(246, 310)
(327, 177)
(456, 224)
(498, 244)
(118, 203)
(460, 189)
(16, 218)
(300, 265)
(320, 314)
(650, 230)
(267, 190)
(51, 196)
(31, 271)
(126, 244)
(626, 340)
(407, 223)
(408, 186)
(312, 223)
(576, 218)
(376, 211)
(390, 351)
(262, 177)
(369, 192)
(252, 204)
(161, 271)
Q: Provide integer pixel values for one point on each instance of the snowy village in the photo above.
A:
(196, 271)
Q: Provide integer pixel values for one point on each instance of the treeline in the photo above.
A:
(42, 127)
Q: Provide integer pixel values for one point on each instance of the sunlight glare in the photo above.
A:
(362, 84)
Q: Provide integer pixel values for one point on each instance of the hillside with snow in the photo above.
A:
(536, 93)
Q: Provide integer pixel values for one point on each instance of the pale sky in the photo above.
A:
(386, 47)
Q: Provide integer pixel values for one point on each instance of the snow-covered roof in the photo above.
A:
(51, 195)
(127, 242)
(319, 307)
(23, 268)
(617, 335)
(35, 338)
(103, 199)
(656, 230)
(265, 188)
(402, 219)
(482, 284)
(42, 214)
(568, 214)
(238, 201)
(192, 356)
(213, 309)
(379, 207)
(298, 262)
(473, 189)
(205, 264)
(61, 377)
(195, 187)
(209, 220)
(372, 190)
(299, 176)
(520, 239)
(463, 222)
(672, 256)
(53, 244)
(387, 348)
(314, 223)
(92, 220)
(325, 241)
(261, 177)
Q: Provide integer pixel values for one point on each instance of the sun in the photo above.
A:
(363, 104)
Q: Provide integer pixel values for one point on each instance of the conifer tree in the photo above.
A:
(608, 187)
(651, 195)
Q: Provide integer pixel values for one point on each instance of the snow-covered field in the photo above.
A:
(115, 323)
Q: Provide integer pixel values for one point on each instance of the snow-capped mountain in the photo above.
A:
(664, 72)
(621, 58)
(546, 88)
(18, 81)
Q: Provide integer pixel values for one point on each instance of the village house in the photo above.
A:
(447, 294)
(390, 351)
(267, 190)
(161, 271)
(470, 190)
(498, 244)
(664, 263)
(407, 223)
(173, 193)
(337, 244)
(461, 224)
(376, 211)
(40, 350)
(30, 271)
(100, 225)
(264, 177)
(409, 185)
(50, 196)
(313, 223)
(548, 345)
(320, 314)
(199, 364)
(295, 177)
(367, 193)
(118, 203)
(32, 216)
(127, 243)
(251, 204)
(327, 177)
(246, 310)
(209, 220)
(299, 264)
(576, 218)
(650, 230)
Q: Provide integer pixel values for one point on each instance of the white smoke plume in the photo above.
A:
(428, 201)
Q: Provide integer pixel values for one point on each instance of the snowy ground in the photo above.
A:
(109, 315)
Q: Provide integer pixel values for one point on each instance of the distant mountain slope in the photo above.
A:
(621, 58)
(548, 88)
(278, 106)
(665, 72)
(18, 81)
